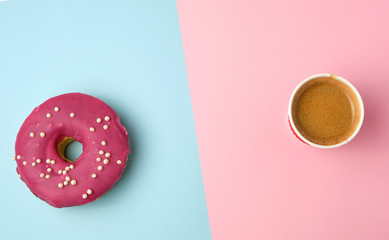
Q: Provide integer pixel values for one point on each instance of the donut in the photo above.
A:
(42, 140)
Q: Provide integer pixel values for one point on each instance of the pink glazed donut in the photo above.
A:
(42, 140)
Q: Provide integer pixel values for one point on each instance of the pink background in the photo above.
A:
(244, 58)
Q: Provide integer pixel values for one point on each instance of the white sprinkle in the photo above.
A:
(73, 182)
(106, 161)
(13, 158)
(105, 127)
(42, 175)
(94, 175)
(84, 196)
(107, 154)
(67, 168)
(92, 129)
(47, 176)
(89, 191)
(60, 185)
(18, 157)
(48, 115)
(52, 162)
(101, 152)
(64, 172)
(33, 164)
(72, 115)
(119, 161)
(19, 176)
(59, 171)
(98, 120)
(42, 134)
(107, 118)
(24, 163)
(32, 134)
(48, 160)
(71, 166)
(67, 178)
(98, 159)
(38, 160)
(56, 109)
(65, 183)
(100, 168)
(49, 170)
(103, 143)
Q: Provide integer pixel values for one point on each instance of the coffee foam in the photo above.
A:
(326, 111)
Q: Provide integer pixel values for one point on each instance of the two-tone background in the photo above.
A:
(203, 87)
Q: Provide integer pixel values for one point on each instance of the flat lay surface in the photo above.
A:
(202, 88)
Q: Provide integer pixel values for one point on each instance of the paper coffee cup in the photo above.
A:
(356, 100)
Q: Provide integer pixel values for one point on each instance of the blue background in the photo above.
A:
(130, 55)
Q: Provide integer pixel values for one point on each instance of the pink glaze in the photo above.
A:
(87, 110)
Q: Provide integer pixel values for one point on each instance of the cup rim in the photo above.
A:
(336, 77)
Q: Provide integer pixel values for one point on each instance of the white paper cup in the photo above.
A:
(291, 121)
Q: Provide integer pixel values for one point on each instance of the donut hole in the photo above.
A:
(69, 149)
(73, 151)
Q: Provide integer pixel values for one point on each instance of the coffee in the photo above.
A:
(326, 111)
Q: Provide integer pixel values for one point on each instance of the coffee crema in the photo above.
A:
(326, 111)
